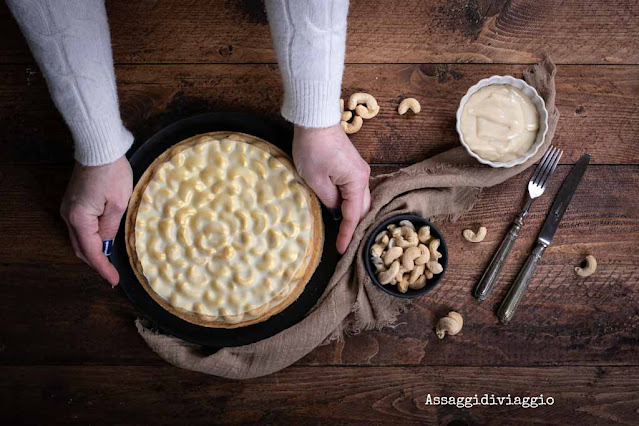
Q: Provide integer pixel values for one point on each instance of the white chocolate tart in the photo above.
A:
(222, 231)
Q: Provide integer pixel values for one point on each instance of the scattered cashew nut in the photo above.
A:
(362, 98)
(409, 103)
(589, 268)
(352, 127)
(450, 324)
(366, 113)
(387, 276)
(347, 115)
(473, 237)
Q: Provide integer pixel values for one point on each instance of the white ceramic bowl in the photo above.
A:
(529, 91)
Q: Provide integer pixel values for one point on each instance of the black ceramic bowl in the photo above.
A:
(418, 221)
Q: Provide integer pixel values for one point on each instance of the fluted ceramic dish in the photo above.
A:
(537, 101)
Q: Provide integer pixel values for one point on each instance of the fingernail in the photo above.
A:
(107, 246)
(336, 213)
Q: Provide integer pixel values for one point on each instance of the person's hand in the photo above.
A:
(92, 208)
(332, 167)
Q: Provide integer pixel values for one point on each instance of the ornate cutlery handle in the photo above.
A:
(490, 277)
(516, 292)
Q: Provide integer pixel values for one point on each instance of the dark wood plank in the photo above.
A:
(386, 31)
(562, 320)
(598, 105)
(306, 395)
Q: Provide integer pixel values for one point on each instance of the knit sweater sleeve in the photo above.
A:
(70, 41)
(309, 38)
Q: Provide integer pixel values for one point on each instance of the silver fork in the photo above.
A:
(536, 187)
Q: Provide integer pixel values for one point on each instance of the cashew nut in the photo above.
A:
(418, 284)
(362, 98)
(475, 237)
(396, 231)
(341, 105)
(392, 254)
(434, 267)
(380, 236)
(408, 259)
(402, 286)
(450, 324)
(424, 234)
(409, 103)
(379, 264)
(424, 256)
(391, 243)
(366, 113)
(590, 266)
(387, 276)
(377, 249)
(406, 238)
(352, 127)
(400, 275)
(417, 272)
(433, 246)
(407, 224)
(429, 275)
(347, 115)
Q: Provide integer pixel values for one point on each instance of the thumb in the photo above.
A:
(109, 222)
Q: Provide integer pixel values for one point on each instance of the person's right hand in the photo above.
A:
(92, 208)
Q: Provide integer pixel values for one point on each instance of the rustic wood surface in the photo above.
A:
(69, 352)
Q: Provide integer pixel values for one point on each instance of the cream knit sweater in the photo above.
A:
(70, 41)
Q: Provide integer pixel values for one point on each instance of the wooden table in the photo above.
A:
(69, 351)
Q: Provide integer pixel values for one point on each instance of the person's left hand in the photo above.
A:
(333, 168)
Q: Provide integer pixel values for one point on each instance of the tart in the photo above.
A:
(222, 232)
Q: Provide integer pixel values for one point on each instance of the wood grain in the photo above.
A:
(306, 395)
(562, 320)
(236, 31)
(598, 106)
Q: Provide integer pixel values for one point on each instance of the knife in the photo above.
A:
(559, 206)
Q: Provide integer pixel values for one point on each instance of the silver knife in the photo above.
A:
(559, 206)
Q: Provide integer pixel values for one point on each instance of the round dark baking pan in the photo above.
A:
(418, 221)
(268, 130)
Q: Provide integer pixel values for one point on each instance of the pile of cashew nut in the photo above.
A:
(405, 257)
(364, 107)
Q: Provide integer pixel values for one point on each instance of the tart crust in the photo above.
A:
(301, 277)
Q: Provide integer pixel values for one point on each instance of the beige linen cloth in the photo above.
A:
(444, 187)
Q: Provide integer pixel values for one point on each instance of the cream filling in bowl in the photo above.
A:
(499, 123)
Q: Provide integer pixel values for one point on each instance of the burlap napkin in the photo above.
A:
(442, 187)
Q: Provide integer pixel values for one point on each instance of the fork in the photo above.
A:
(536, 187)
